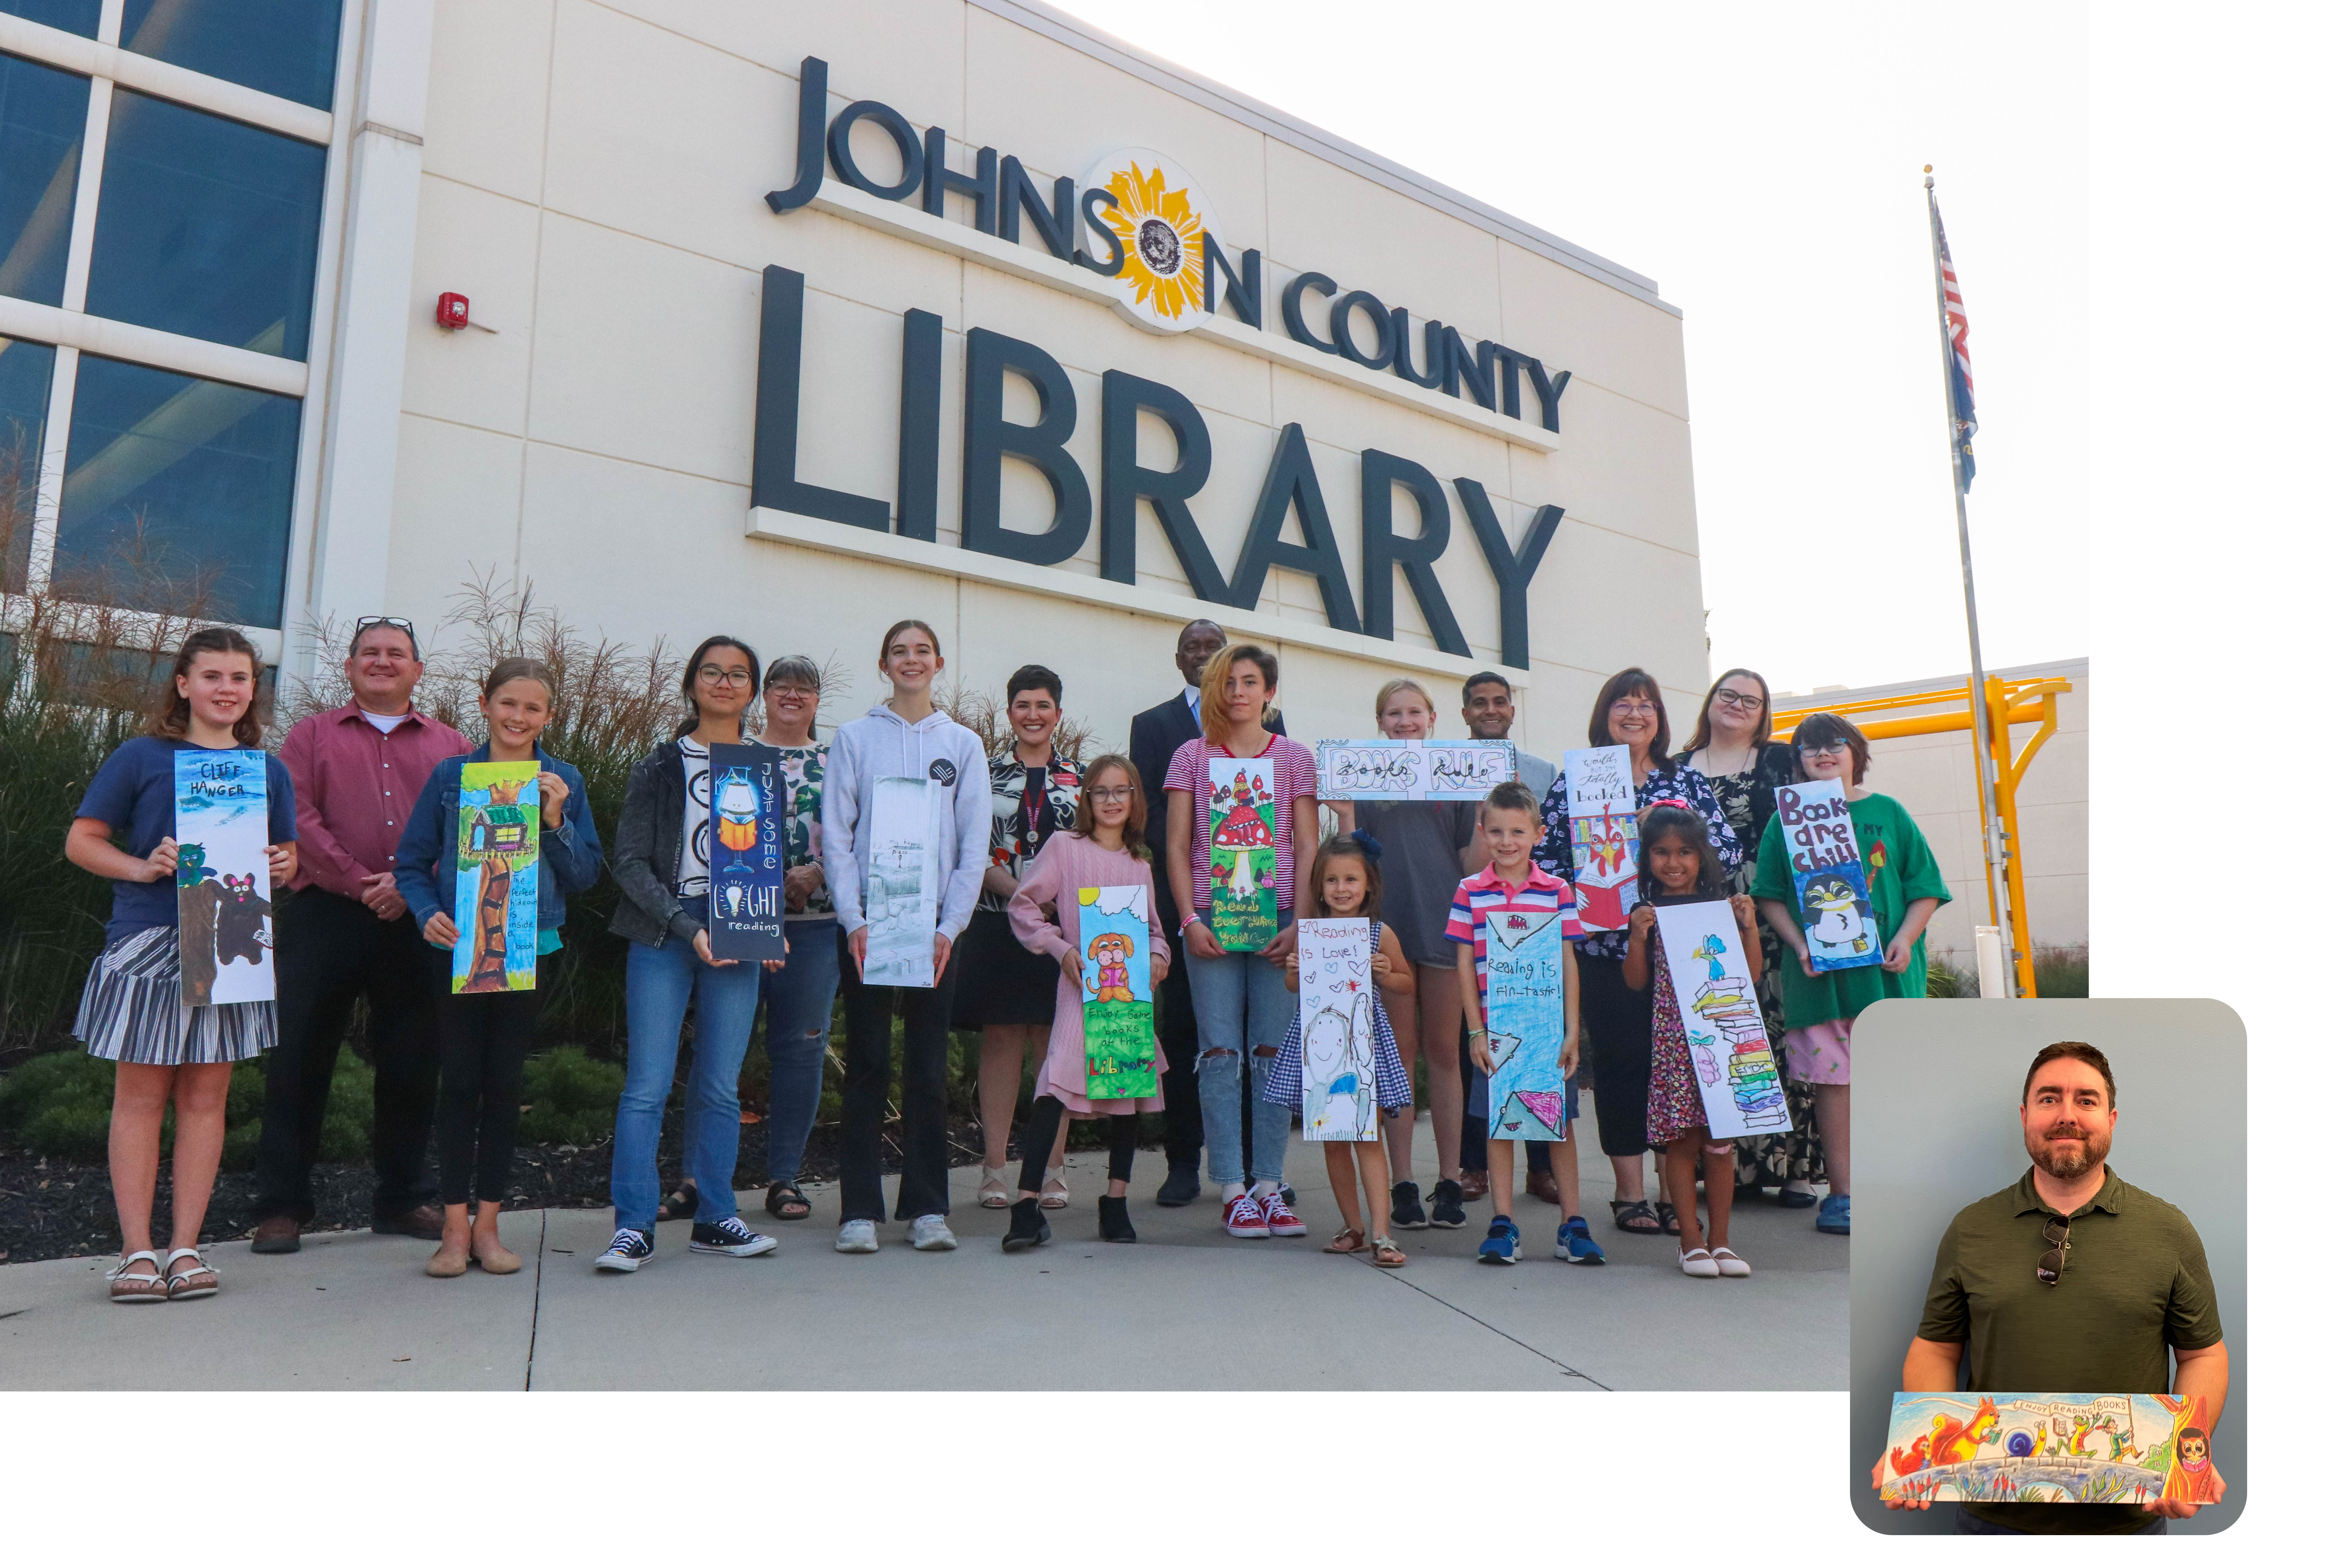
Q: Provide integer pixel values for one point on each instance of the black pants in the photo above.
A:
(1037, 1143)
(331, 952)
(1179, 1086)
(484, 1039)
(923, 1094)
(1617, 1039)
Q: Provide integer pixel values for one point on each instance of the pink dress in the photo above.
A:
(1070, 861)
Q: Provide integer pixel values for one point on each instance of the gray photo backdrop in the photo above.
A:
(1935, 1090)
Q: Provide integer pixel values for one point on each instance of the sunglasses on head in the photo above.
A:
(367, 623)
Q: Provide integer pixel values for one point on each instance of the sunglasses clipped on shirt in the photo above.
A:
(2054, 1262)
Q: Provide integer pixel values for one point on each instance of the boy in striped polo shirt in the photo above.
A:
(1514, 889)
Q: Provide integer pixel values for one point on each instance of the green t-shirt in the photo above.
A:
(1899, 868)
(2134, 1286)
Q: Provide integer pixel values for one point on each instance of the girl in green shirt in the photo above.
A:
(1905, 889)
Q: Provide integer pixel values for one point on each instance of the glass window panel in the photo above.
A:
(73, 15)
(206, 227)
(24, 402)
(286, 48)
(42, 113)
(178, 494)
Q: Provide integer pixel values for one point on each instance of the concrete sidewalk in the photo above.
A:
(1189, 1308)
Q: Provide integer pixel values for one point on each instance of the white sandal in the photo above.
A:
(1055, 1193)
(995, 1193)
(1729, 1263)
(1699, 1264)
(178, 1286)
(122, 1285)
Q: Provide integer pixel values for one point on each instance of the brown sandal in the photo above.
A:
(1387, 1253)
(1348, 1240)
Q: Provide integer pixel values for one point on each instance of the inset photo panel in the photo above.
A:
(2049, 1256)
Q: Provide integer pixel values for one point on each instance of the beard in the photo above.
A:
(2069, 1162)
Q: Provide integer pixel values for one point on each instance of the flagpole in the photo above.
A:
(1995, 834)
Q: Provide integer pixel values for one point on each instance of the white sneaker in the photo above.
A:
(856, 1236)
(930, 1233)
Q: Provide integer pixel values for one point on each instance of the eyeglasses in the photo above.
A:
(1110, 794)
(1743, 703)
(1827, 749)
(1631, 709)
(2054, 1262)
(718, 677)
(798, 693)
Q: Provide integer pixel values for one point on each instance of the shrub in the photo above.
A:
(569, 1097)
(57, 1105)
(2063, 971)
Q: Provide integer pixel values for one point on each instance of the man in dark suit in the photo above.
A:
(1153, 737)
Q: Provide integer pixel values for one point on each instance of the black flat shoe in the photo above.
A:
(1029, 1228)
(1792, 1199)
(1113, 1225)
(1182, 1186)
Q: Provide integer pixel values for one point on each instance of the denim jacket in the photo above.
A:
(425, 868)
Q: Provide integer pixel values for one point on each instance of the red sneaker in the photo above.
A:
(1245, 1218)
(1279, 1217)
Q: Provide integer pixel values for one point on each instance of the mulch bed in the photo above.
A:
(49, 1208)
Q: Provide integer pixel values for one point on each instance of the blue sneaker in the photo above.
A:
(1576, 1243)
(1502, 1242)
(1836, 1215)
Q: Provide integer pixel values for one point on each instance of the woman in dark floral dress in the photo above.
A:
(1733, 748)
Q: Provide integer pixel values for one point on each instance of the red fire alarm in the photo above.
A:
(453, 311)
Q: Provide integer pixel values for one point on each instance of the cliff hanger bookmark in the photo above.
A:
(747, 853)
(1336, 1069)
(1412, 770)
(1241, 856)
(902, 890)
(1829, 883)
(220, 818)
(1115, 992)
(1722, 1022)
(1527, 1024)
(498, 879)
(1602, 837)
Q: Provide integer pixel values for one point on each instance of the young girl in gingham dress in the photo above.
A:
(1345, 884)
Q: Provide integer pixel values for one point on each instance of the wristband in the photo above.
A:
(1191, 921)
(1475, 1033)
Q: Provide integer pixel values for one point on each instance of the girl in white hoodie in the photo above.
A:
(905, 737)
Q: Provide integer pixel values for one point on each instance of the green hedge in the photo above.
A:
(57, 1106)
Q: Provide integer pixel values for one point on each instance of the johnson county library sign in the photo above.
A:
(1140, 236)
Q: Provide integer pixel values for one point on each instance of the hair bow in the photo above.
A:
(1367, 844)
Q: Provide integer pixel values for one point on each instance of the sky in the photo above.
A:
(1763, 165)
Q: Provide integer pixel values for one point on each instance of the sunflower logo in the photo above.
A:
(1162, 221)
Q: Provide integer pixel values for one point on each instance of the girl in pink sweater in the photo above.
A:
(1105, 851)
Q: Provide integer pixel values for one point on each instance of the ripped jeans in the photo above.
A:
(800, 1022)
(1240, 1007)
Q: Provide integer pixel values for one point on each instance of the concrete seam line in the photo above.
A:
(538, 1273)
(1493, 1330)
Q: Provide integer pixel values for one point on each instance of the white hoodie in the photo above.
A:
(883, 746)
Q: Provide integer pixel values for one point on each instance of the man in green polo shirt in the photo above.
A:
(2129, 1282)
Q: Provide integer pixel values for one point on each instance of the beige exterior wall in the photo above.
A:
(1936, 780)
(592, 180)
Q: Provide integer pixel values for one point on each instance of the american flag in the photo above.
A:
(1955, 354)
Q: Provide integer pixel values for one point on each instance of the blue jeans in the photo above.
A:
(800, 1022)
(662, 981)
(1242, 1010)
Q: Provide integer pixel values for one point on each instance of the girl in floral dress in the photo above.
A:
(1680, 866)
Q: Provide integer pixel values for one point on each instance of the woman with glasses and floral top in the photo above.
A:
(1631, 711)
(1002, 989)
(1732, 744)
(661, 857)
(1903, 887)
(800, 995)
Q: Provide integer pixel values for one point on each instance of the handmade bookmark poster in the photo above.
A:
(1730, 1053)
(1830, 887)
(220, 818)
(2048, 1447)
(1241, 855)
(1412, 770)
(747, 853)
(1603, 839)
(902, 889)
(1526, 1094)
(1337, 1103)
(498, 879)
(1115, 992)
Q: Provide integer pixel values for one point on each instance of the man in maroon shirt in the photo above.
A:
(343, 930)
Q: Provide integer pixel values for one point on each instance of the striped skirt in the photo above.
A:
(130, 1010)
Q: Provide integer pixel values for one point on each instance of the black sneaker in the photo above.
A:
(1029, 1228)
(629, 1248)
(1446, 1206)
(1113, 1224)
(730, 1238)
(1404, 1207)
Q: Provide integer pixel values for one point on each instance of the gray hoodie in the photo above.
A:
(883, 746)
